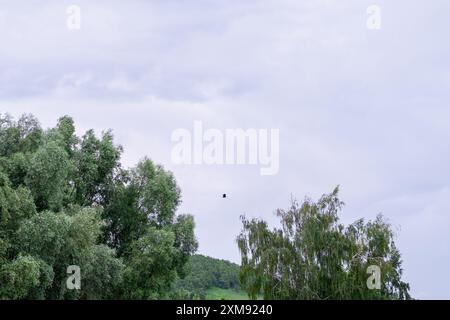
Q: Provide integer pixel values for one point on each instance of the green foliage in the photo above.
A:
(146, 196)
(23, 136)
(158, 193)
(312, 256)
(102, 275)
(225, 294)
(66, 201)
(60, 240)
(204, 273)
(152, 265)
(47, 176)
(20, 276)
(96, 162)
(15, 206)
(157, 257)
(66, 131)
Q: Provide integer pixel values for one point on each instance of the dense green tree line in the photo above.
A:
(204, 273)
(66, 200)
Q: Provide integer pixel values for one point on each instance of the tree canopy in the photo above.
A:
(66, 200)
(313, 256)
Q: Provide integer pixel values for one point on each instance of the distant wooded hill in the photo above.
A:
(205, 274)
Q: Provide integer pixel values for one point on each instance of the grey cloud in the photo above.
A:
(366, 110)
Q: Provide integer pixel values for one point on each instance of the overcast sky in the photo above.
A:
(366, 109)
